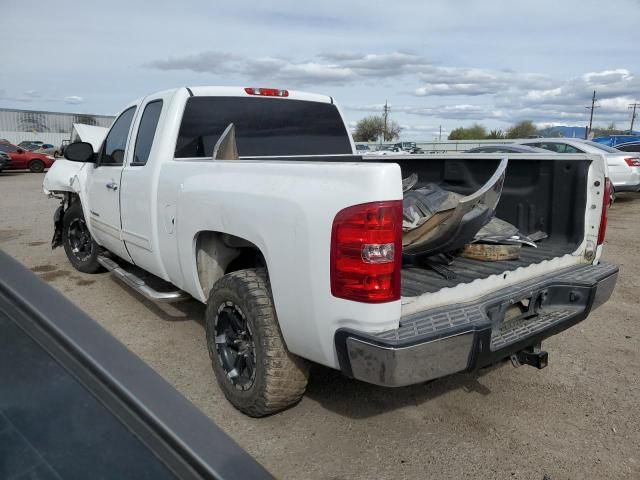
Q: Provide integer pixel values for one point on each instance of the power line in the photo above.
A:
(592, 108)
(633, 114)
(386, 116)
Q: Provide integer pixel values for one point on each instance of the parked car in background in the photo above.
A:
(30, 145)
(624, 169)
(22, 159)
(614, 140)
(500, 148)
(5, 161)
(48, 149)
(388, 150)
(64, 145)
(629, 147)
(363, 149)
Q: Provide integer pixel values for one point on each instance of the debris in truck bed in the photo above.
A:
(438, 220)
(491, 252)
(498, 231)
(409, 182)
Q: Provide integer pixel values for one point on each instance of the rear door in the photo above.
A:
(138, 198)
(103, 186)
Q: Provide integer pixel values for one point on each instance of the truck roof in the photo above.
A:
(222, 91)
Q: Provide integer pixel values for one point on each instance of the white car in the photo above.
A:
(624, 168)
(252, 201)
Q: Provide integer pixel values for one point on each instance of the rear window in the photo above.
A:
(264, 127)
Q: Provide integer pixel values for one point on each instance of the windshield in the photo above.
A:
(264, 127)
(602, 147)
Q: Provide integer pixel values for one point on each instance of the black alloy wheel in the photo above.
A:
(235, 346)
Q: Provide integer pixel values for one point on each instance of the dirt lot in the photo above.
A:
(578, 418)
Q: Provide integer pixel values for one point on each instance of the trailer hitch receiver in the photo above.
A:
(533, 356)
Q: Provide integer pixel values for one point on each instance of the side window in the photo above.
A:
(146, 132)
(550, 146)
(112, 152)
(571, 149)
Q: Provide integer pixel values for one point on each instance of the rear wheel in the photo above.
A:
(36, 166)
(250, 360)
(81, 249)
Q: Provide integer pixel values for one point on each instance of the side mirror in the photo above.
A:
(20, 150)
(79, 152)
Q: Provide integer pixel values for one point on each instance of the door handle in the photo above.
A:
(112, 186)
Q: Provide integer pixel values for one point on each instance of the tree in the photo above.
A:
(369, 129)
(393, 131)
(474, 132)
(496, 133)
(609, 130)
(522, 129)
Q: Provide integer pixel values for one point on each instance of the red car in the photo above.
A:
(24, 159)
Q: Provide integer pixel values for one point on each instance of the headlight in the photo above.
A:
(51, 157)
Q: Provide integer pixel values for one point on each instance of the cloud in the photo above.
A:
(327, 68)
(210, 61)
(460, 93)
(445, 81)
(73, 99)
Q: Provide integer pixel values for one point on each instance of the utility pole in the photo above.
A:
(440, 136)
(593, 107)
(633, 115)
(385, 116)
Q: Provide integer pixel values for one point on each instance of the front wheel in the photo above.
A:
(36, 166)
(252, 365)
(80, 247)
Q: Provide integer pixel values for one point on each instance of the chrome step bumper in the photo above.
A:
(464, 337)
(139, 285)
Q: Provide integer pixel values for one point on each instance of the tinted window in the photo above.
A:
(264, 127)
(116, 141)
(7, 148)
(634, 147)
(146, 132)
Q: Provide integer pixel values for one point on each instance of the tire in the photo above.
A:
(242, 301)
(81, 249)
(612, 196)
(36, 166)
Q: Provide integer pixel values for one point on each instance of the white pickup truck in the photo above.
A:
(283, 242)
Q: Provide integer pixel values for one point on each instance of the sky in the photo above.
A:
(437, 63)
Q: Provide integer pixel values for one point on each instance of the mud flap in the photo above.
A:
(58, 218)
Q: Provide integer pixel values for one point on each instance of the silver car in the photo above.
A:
(624, 167)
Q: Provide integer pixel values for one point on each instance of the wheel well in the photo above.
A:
(220, 253)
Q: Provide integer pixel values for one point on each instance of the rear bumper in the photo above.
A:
(469, 336)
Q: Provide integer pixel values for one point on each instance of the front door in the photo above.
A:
(103, 186)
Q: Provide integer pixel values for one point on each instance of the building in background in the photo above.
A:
(49, 127)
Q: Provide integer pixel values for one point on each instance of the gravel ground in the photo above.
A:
(578, 418)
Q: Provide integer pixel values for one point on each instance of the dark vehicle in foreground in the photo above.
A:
(506, 149)
(76, 404)
(22, 159)
(5, 161)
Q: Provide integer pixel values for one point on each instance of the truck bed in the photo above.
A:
(417, 280)
(540, 193)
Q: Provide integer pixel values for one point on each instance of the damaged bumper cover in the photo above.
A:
(465, 337)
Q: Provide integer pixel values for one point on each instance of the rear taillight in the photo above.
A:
(633, 162)
(267, 92)
(366, 252)
(606, 200)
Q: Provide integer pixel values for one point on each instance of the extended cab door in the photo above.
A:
(103, 186)
(138, 197)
